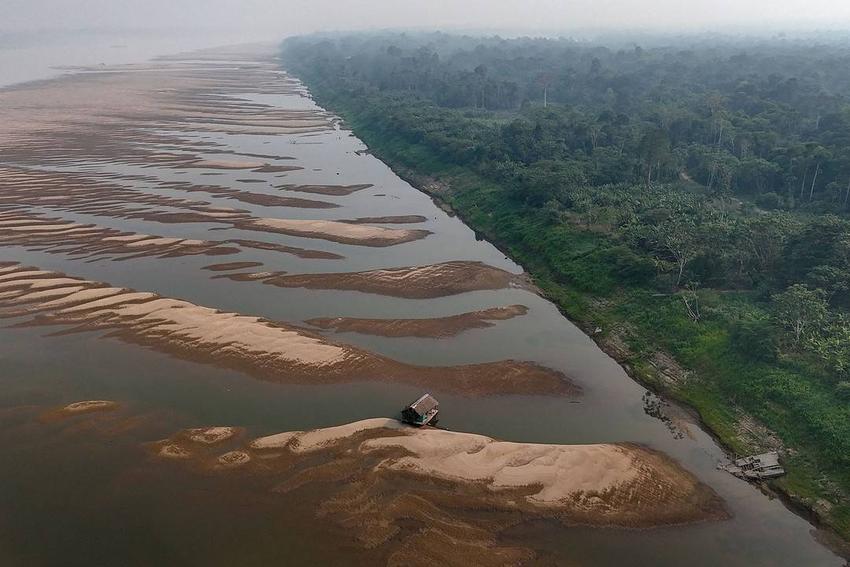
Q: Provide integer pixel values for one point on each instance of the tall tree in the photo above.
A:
(800, 310)
(654, 150)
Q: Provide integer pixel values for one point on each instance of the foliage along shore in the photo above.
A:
(699, 294)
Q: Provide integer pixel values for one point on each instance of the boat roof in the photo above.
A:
(424, 404)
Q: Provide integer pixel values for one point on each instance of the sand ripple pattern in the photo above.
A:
(61, 236)
(265, 349)
(434, 328)
(416, 282)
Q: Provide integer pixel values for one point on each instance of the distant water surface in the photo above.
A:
(34, 56)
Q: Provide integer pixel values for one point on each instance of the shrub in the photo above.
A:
(842, 391)
(769, 201)
(755, 339)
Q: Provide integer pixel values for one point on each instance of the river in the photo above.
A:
(70, 498)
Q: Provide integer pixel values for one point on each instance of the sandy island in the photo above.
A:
(79, 408)
(335, 190)
(56, 235)
(89, 406)
(262, 199)
(391, 219)
(268, 350)
(335, 231)
(433, 328)
(227, 266)
(420, 282)
(373, 477)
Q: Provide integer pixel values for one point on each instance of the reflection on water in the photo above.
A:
(71, 496)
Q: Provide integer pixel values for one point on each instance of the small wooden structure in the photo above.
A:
(422, 412)
(756, 467)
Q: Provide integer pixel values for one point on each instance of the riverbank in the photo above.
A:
(648, 333)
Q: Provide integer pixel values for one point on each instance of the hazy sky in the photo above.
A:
(280, 17)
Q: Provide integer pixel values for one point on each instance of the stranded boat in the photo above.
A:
(421, 412)
(756, 467)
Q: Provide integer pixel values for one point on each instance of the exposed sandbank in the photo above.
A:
(433, 328)
(89, 406)
(419, 282)
(271, 351)
(375, 476)
(335, 231)
(336, 190)
(232, 266)
(68, 237)
(397, 219)
(300, 252)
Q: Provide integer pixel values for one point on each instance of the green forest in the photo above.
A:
(684, 199)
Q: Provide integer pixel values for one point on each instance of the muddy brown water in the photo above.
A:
(76, 496)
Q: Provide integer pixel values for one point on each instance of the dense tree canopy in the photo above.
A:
(769, 120)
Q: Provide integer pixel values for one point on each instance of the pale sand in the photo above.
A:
(80, 408)
(51, 282)
(402, 469)
(336, 231)
(121, 298)
(89, 405)
(49, 293)
(127, 238)
(602, 484)
(24, 274)
(558, 472)
(276, 441)
(14, 222)
(11, 269)
(14, 294)
(307, 441)
(202, 325)
(38, 227)
(154, 242)
(101, 240)
(33, 284)
(268, 350)
(82, 296)
(415, 282)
